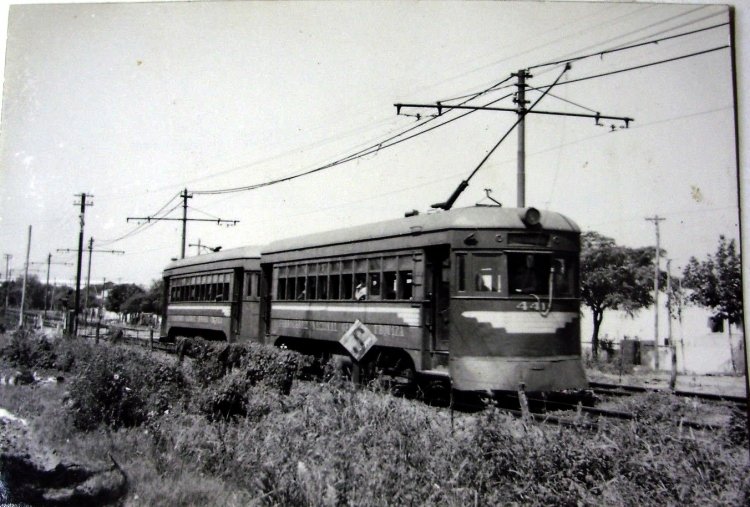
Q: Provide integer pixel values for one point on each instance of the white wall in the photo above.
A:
(698, 349)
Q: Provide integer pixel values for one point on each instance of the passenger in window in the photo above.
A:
(301, 295)
(481, 284)
(360, 292)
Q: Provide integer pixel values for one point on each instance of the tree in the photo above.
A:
(120, 294)
(153, 301)
(614, 278)
(716, 282)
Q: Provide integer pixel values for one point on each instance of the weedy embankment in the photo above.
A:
(234, 425)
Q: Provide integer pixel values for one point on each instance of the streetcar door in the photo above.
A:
(236, 305)
(266, 284)
(437, 279)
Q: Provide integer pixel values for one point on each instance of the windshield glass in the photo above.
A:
(529, 273)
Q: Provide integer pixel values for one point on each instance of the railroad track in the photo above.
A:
(625, 390)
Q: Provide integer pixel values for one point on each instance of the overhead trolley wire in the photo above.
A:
(386, 143)
(624, 48)
(142, 227)
(398, 138)
(636, 67)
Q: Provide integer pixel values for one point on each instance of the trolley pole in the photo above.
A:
(521, 158)
(656, 219)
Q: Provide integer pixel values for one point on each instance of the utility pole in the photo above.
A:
(7, 285)
(185, 196)
(25, 277)
(77, 307)
(522, 111)
(46, 291)
(521, 159)
(88, 276)
(656, 219)
(672, 345)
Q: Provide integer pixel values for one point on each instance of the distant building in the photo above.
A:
(703, 347)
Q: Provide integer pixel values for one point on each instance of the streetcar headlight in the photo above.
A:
(531, 217)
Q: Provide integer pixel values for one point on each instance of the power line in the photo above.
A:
(185, 195)
(387, 143)
(523, 111)
(141, 227)
(625, 48)
(637, 67)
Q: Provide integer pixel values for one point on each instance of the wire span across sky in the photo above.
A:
(166, 97)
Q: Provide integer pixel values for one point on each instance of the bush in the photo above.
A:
(121, 387)
(254, 365)
(29, 350)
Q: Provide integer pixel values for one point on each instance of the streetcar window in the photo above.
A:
(335, 280)
(322, 287)
(529, 273)
(300, 287)
(346, 286)
(564, 276)
(488, 272)
(290, 288)
(405, 285)
(249, 284)
(281, 288)
(374, 289)
(360, 286)
(311, 286)
(461, 272)
(390, 287)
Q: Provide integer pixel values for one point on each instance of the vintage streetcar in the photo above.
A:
(482, 298)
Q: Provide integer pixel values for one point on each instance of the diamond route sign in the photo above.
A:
(358, 340)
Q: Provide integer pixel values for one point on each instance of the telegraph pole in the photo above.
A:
(7, 285)
(521, 159)
(25, 277)
(88, 275)
(46, 292)
(656, 219)
(522, 111)
(77, 307)
(185, 196)
(672, 345)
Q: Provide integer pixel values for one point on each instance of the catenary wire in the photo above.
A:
(636, 67)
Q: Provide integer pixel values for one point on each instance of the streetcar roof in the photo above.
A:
(231, 254)
(475, 217)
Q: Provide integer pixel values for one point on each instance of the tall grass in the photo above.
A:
(257, 435)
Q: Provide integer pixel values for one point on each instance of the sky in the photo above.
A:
(135, 102)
